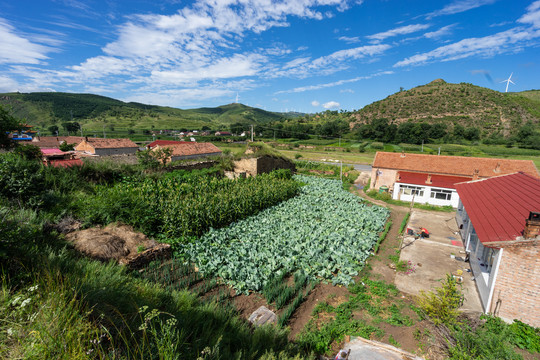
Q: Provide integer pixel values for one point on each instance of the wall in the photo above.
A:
(384, 177)
(85, 146)
(115, 151)
(517, 288)
(263, 164)
(195, 156)
(426, 198)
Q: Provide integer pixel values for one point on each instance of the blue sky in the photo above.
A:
(302, 55)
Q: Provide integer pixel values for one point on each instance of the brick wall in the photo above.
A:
(386, 177)
(517, 288)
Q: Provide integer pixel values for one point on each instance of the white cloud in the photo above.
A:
(315, 103)
(350, 40)
(532, 16)
(445, 30)
(331, 105)
(506, 41)
(351, 91)
(335, 83)
(17, 49)
(402, 30)
(459, 6)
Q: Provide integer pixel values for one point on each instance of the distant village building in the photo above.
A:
(223, 133)
(162, 143)
(431, 179)
(190, 150)
(106, 147)
(499, 221)
(56, 157)
(56, 141)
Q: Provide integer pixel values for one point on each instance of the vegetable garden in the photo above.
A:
(325, 231)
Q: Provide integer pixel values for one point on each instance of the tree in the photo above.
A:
(66, 147)
(29, 152)
(472, 133)
(7, 124)
(71, 127)
(237, 128)
(53, 129)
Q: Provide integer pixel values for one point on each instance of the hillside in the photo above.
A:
(465, 104)
(94, 112)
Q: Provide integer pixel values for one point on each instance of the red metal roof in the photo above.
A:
(440, 181)
(52, 151)
(499, 206)
(165, 142)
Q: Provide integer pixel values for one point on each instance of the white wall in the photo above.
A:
(426, 197)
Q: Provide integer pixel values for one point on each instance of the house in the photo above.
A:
(56, 157)
(190, 150)
(499, 221)
(223, 133)
(106, 147)
(48, 142)
(431, 179)
(162, 143)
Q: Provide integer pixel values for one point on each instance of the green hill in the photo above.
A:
(465, 104)
(95, 112)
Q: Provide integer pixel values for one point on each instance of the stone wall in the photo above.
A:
(517, 288)
(263, 164)
(115, 151)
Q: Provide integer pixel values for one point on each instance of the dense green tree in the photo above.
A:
(7, 124)
(28, 152)
(53, 129)
(472, 133)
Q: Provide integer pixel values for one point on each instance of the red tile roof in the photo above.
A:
(499, 206)
(52, 151)
(193, 148)
(165, 142)
(99, 143)
(441, 181)
(453, 165)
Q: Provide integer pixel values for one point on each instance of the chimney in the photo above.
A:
(86, 138)
(475, 175)
(398, 176)
(497, 168)
(403, 153)
(428, 181)
(532, 225)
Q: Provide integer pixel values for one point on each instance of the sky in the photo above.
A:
(297, 55)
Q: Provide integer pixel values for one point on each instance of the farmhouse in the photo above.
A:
(499, 221)
(162, 143)
(431, 179)
(190, 150)
(47, 142)
(105, 147)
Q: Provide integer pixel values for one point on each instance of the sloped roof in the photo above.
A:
(55, 141)
(165, 142)
(99, 143)
(453, 165)
(193, 148)
(499, 206)
(52, 151)
(441, 181)
(66, 162)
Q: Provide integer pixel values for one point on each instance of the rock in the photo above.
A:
(137, 261)
(263, 316)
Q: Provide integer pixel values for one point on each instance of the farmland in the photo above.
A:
(325, 231)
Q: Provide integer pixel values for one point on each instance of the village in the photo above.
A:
(487, 240)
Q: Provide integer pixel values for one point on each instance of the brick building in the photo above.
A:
(499, 221)
(190, 150)
(431, 179)
(105, 147)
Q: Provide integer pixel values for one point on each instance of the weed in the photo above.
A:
(393, 341)
(442, 304)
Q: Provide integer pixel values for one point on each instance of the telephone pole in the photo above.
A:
(251, 133)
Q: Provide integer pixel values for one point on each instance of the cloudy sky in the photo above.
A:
(302, 55)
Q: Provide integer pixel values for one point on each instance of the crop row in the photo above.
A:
(325, 231)
(180, 206)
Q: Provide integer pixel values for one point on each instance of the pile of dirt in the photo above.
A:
(117, 242)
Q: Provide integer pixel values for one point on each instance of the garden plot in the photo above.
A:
(325, 231)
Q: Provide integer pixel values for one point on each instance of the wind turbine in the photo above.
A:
(508, 81)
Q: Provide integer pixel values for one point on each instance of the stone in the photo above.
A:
(263, 316)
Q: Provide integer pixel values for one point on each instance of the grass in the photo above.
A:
(386, 197)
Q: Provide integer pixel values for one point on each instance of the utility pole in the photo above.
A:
(439, 151)
(274, 135)
(341, 170)
(104, 136)
(422, 145)
(251, 133)
(80, 128)
(340, 141)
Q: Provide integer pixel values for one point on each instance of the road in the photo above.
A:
(357, 167)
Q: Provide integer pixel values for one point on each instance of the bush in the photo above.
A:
(442, 304)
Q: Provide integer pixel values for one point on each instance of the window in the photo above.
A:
(441, 194)
(412, 190)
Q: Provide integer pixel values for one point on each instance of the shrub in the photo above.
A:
(442, 304)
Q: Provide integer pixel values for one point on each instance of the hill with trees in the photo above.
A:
(94, 112)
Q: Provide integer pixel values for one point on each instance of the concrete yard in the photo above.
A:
(362, 349)
(431, 257)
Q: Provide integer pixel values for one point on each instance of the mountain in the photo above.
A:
(95, 111)
(465, 104)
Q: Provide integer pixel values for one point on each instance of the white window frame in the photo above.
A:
(434, 192)
(410, 190)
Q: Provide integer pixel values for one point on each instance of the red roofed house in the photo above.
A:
(191, 150)
(431, 179)
(105, 147)
(499, 220)
(162, 143)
